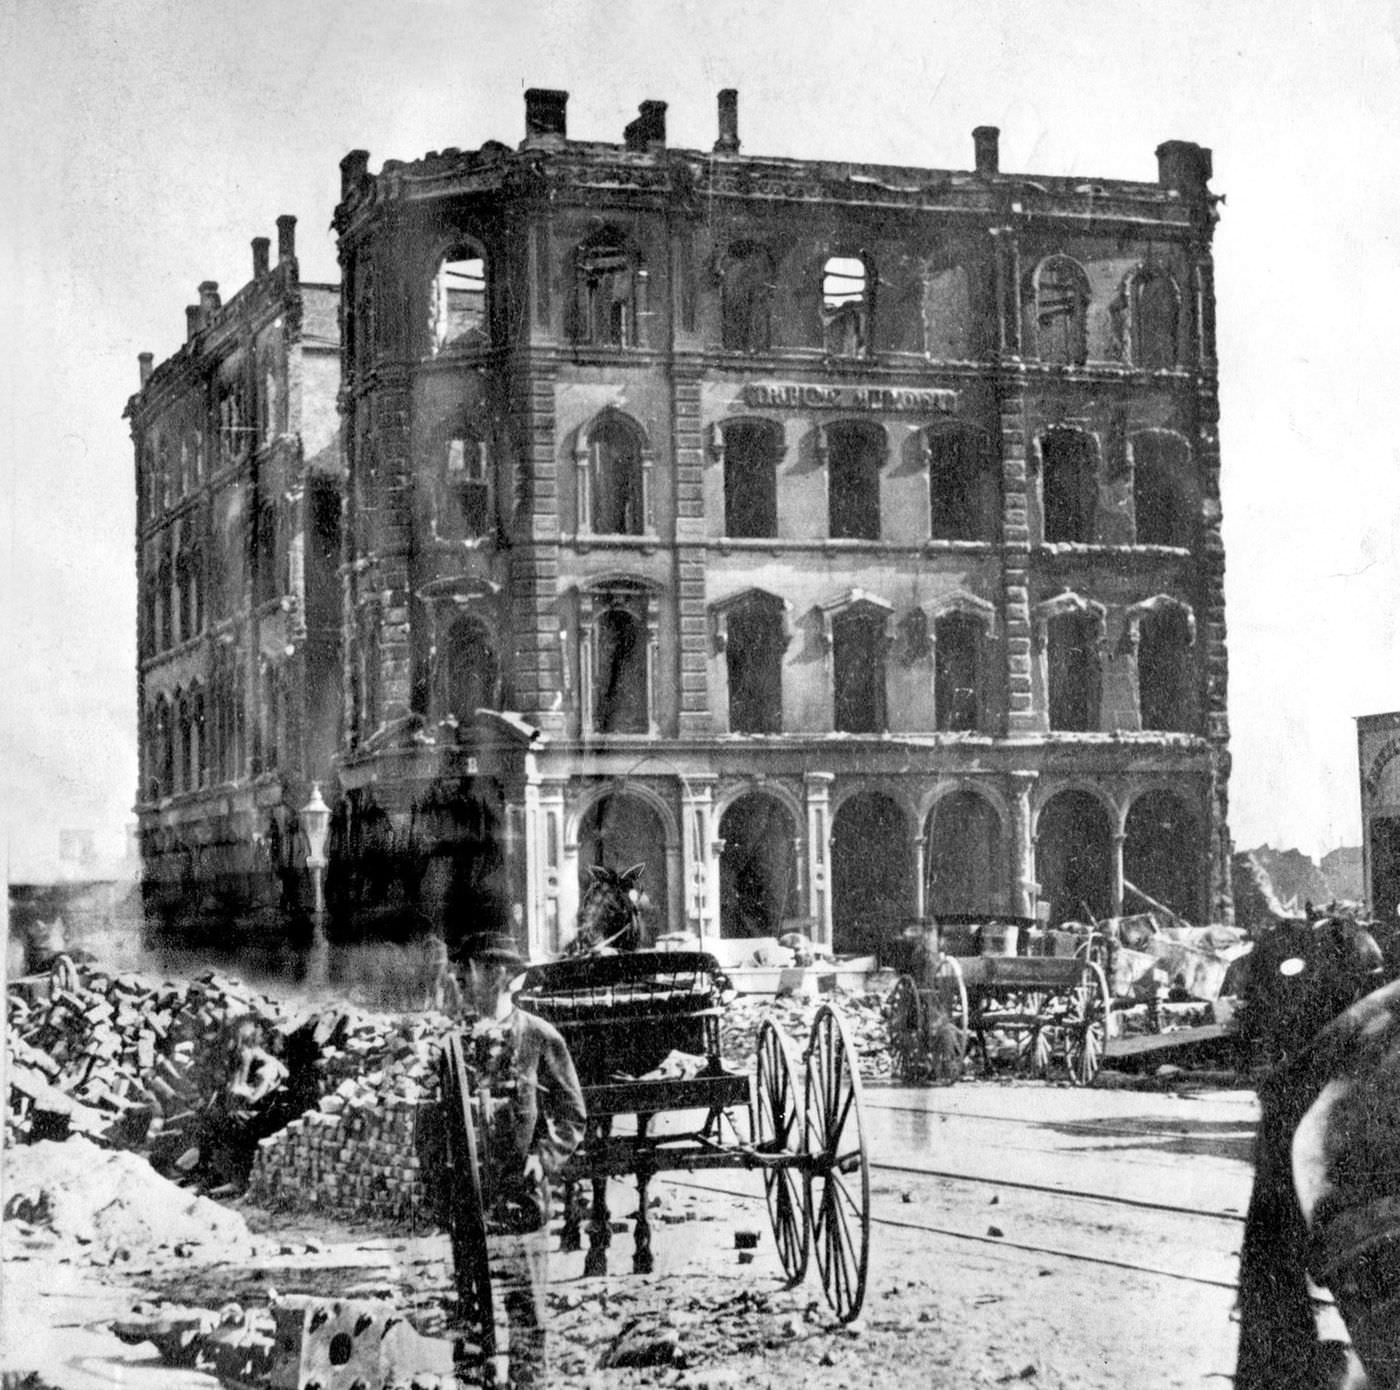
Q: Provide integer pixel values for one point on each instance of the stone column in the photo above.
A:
(550, 803)
(1024, 888)
(700, 866)
(920, 870)
(1116, 887)
(818, 789)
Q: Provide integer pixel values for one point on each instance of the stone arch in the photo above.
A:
(1074, 835)
(872, 869)
(760, 864)
(615, 467)
(1070, 464)
(619, 825)
(458, 296)
(1060, 298)
(1163, 851)
(748, 449)
(965, 857)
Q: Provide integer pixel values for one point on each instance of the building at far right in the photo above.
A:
(1378, 750)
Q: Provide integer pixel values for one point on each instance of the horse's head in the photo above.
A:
(1301, 976)
(610, 913)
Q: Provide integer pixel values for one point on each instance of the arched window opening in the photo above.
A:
(607, 276)
(1074, 858)
(963, 491)
(758, 886)
(753, 656)
(617, 832)
(234, 429)
(265, 585)
(364, 325)
(1069, 485)
(752, 449)
(1165, 670)
(471, 670)
(872, 873)
(958, 672)
(845, 306)
(1155, 307)
(1073, 672)
(270, 700)
(184, 745)
(964, 859)
(854, 453)
(169, 475)
(369, 671)
(746, 320)
(1061, 310)
(165, 749)
(198, 719)
(464, 492)
(858, 670)
(457, 313)
(1162, 489)
(619, 483)
(621, 703)
(165, 588)
(1162, 855)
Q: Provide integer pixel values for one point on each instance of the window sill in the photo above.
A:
(1053, 549)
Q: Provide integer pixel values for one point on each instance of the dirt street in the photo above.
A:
(978, 1276)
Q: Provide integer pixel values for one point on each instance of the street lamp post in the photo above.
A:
(315, 825)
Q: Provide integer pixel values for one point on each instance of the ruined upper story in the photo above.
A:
(615, 253)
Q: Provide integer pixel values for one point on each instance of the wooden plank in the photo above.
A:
(1161, 1042)
(667, 1093)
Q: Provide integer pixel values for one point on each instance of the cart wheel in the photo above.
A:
(1034, 1049)
(947, 1038)
(1086, 1025)
(904, 1023)
(468, 1207)
(838, 1172)
(778, 1130)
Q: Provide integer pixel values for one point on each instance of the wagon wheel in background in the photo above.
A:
(1035, 1037)
(946, 1034)
(904, 1024)
(1086, 1024)
(837, 1167)
(778, 1130)
(467, 1214)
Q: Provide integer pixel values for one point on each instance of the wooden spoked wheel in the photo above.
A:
(947, 1034)
(1034, 1045)
(467, 1213)
(904, 1024)
(1086, 1025)
(837, 1166)
(779, 1131)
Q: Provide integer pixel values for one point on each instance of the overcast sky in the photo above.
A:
(150, 140)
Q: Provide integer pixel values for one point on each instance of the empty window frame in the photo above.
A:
(752, 449)
(746, 293)
(1073, 671)
(464, 492)
(963, 492)
(1165, 670)
(607, 285)
(457, 302)
(1162, 489)
(1061, 311)
(616, 502)
(958, 672)
(621, 676)
(165, 606)
(1069, 485)
(755, 640)
(846, 302)
(854, 453)
(470, 669)
(1155, 306)
(858, 650)
(265, 577)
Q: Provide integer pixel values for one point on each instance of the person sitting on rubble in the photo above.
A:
(534, 1123)
(251, 1101)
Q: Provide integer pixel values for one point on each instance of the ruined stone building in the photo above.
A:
(239, 480)
(1378, 750)
(840, 541)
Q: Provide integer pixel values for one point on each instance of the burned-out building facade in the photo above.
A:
(239, 482)
(841, 541)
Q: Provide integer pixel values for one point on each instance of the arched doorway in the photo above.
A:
(619, 831)
(872, 876)
(1074, 857)
(758, 868)
(1161, 855)
(964, 859)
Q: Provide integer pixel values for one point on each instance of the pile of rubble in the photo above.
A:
(862, 1014)
(119, 1058)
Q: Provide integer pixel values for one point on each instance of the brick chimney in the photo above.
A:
(192, 324)
(544, 115)
(354, 169)
(648, 131)
(1184, 166)
(985, 149)
(260, 250)
(286, 238)
(145, 361)
(728, 142)
(209, 301)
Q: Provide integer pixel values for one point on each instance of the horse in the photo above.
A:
(1324, 1202)
(610, 914)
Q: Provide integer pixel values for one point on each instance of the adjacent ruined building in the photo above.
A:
(840, 541)
(239, 481)
(1378, 748)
